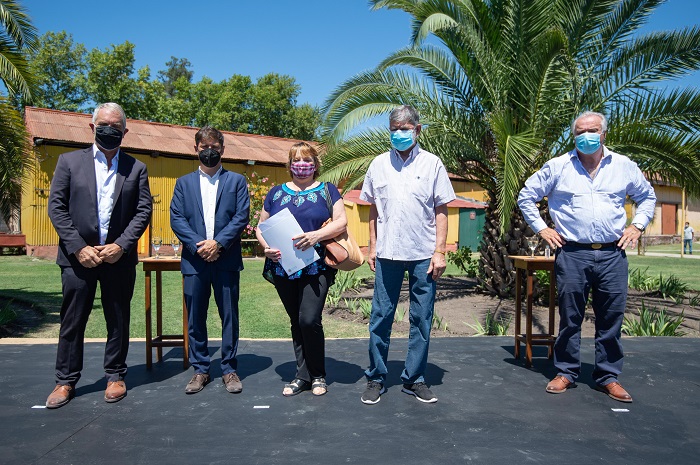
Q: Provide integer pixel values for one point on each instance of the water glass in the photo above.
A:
(156, 242)
(175, 243)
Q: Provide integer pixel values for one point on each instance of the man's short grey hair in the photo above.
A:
(603, 120)
(111, 106)
(404, 114)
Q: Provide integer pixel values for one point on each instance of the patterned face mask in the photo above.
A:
(302, 169)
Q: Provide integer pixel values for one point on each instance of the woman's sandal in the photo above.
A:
(296, 386)
(319, 383)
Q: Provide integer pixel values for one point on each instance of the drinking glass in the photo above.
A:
(175, 243)
(156, 242)
(532, 243)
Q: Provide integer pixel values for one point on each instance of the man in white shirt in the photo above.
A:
(688, 237)
(100, 205)
(409, 190)
(209, 209)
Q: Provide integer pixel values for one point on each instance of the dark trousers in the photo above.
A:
(303, 299)
(603, 273)
(197, 289)
(79, 287)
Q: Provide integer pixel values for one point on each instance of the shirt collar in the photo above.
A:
(606, 153)
(96, 152)
(212, 178)
(411, 155)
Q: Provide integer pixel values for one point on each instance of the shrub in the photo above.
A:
(653, 322)
(491, 326)
(672, 288)
(462, 258)
(344, 281)
(640, 280)
(257, 189)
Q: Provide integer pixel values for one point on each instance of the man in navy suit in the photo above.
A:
(100, 205)
(209, 210)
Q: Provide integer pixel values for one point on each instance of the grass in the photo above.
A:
(262, 315)
(687, 270)
(672, 248)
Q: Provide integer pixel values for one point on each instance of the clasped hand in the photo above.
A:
(208, 249)
(90, 256)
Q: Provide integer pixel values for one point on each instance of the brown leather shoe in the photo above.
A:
(61, 395)
(558, 385)
(232, 382)
(616, 391)
(197, 383)
(116, 391)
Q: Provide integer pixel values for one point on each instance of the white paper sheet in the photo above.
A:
(278, 231)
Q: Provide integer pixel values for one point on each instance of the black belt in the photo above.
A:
(594, 246)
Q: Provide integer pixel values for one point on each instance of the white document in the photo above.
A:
(278, 231)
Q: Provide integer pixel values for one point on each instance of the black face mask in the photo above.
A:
(108, 137)
(210, 157)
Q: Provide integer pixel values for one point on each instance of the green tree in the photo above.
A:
(17, 37)
(110, 79)
(177, 68)
(58, 64)
(498, 86)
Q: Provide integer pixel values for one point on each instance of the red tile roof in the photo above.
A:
(145, 136)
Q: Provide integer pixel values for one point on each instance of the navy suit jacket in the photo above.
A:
(73, 206)
(231, 217)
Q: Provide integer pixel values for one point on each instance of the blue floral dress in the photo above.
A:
(310, 208)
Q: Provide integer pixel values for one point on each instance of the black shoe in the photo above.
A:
(373, 393)
(421, 391)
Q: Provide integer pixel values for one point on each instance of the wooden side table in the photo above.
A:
(529, 265)
(162, 340)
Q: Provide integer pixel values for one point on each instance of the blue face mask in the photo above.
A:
(402, 139)
(588, 142)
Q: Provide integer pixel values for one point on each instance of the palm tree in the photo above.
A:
(17, 36)
(498, 85)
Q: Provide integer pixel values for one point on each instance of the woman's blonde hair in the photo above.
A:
(304, 150)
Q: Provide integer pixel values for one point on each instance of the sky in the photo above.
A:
(321, 43)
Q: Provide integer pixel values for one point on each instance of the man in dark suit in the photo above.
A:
(209, 209)
(100, 204)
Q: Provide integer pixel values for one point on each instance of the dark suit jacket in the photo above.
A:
(73, 206)
(231, 217)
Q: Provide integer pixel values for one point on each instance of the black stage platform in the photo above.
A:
(491, 410)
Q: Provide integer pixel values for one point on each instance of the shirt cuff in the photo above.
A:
(538, 225)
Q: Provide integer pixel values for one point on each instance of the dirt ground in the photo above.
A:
(458, 305)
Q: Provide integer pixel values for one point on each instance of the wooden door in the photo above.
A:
(668, 218)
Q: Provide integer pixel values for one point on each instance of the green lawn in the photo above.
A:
(672, 248)
(687, 269)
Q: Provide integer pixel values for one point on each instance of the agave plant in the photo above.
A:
(498, 83)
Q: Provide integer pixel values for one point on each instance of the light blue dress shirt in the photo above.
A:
(588, 210)
(105, 178)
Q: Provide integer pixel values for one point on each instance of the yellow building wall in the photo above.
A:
(163, 171)
(469, 190)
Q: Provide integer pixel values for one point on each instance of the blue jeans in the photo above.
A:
(387, 288)
(688, 246)
(603, 273)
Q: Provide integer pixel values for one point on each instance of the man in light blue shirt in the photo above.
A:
(586, 190)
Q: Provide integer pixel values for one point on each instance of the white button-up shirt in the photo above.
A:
(208, 186)
(406, 194)
(105, 180)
